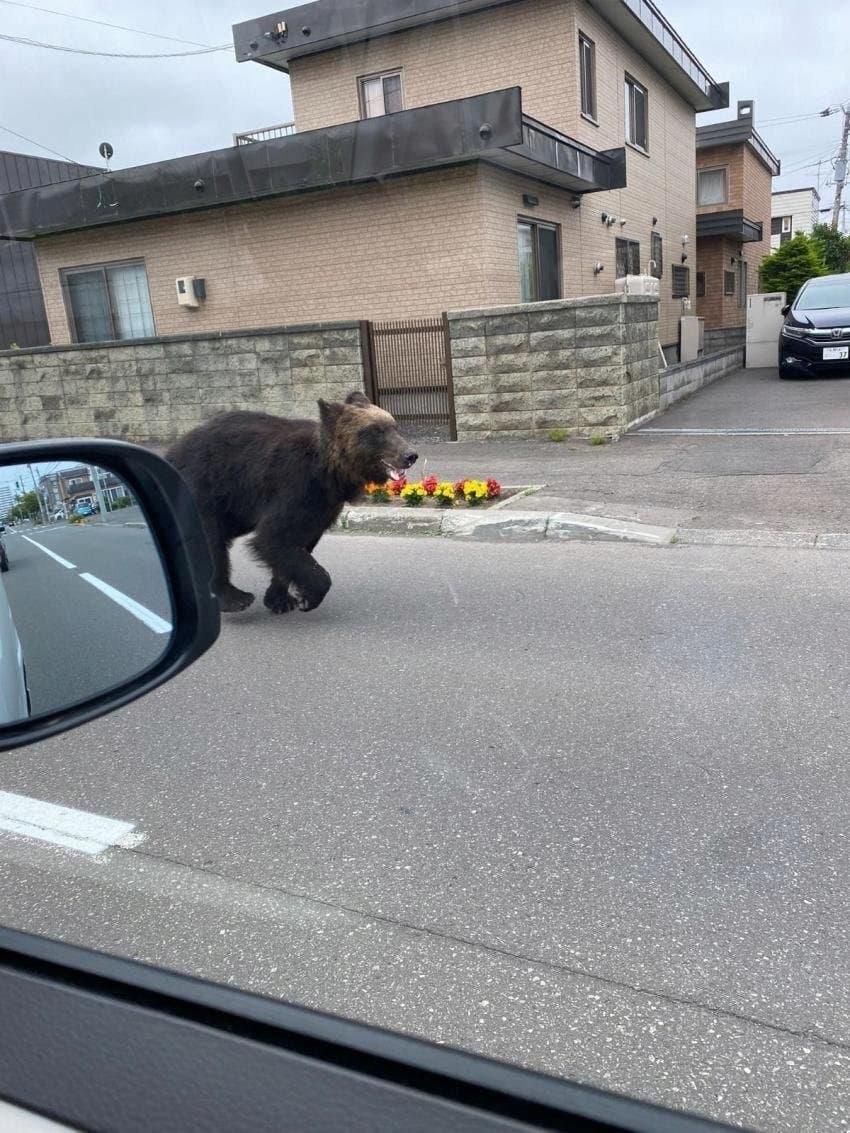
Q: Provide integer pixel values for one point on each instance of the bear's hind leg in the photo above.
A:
(231, 599)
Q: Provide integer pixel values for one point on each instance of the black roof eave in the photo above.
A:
(326, 24)
(731, 223)
(487, 127)
(738, 132)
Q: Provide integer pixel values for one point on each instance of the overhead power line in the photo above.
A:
(101, 23)
(114, 54)
(33, 142)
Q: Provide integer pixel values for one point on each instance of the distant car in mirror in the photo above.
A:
(4, 558)
(815, 338)
(83, 510)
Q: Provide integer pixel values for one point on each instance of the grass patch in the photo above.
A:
(557, 435)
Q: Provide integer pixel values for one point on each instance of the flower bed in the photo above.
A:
(433, 492)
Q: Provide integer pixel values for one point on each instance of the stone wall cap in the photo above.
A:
(552, 305)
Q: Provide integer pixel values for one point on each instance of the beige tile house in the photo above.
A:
(447, 154)
(735, 171)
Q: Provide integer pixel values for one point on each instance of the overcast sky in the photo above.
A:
(154, 109)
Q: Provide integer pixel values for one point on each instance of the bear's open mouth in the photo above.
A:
(394, 473)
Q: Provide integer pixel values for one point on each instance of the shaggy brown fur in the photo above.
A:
(286, 480)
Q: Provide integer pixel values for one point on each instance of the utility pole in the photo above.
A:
(38, 496)
(841, 167)
(95, 478)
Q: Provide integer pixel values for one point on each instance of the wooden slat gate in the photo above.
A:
(407, 365)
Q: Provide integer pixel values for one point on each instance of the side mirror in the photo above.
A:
(784, 310)
(98, 610)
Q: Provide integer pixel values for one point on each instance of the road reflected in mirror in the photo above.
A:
(84, 601)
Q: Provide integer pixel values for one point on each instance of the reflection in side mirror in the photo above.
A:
(85, 602)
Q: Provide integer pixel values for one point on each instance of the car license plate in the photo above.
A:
(835, 353)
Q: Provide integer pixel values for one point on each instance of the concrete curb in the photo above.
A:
(493, 525)
(563, 526)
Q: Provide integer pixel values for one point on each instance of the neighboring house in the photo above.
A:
(63, 490)
(793, 211)
(468, 153)
(735, 171)
(22, 317)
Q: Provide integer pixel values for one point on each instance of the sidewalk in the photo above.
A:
(780, 483)
(700, 476)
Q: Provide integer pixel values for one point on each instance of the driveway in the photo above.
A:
(758, 399)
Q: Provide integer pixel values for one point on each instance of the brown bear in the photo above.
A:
(286, 480)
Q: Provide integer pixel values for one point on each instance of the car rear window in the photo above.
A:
(817, 297)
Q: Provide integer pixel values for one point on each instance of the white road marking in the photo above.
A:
(47, 551)
(61, 825)
(151, 620)
(744, 431)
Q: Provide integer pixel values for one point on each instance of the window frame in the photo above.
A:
(535, 223)
(633, 84)
(102, 266)
(658, 260)
(630, 246)
(724, 169)
(589, 105)
(700, 285)
(391, 73)
(729, 283)
(680, 271)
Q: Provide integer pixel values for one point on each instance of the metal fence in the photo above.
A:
(248, 137)
(408, 366)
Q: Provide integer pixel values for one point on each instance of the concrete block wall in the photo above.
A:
(584, 365)
(686, 378)
(154, 390)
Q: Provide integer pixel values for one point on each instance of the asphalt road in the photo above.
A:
(581, 807)
(78, 640)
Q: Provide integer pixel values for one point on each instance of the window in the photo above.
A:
(656, 254)
(681, 281)
(711, 187)
(381, 94)
(628, 258)
(587, 70)
(700, 285)
(728, 283)
(108, 303)
(637, 119)
(742, 283)
(539, 261)
(781, 226)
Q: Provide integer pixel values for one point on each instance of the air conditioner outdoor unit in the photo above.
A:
(637, 285)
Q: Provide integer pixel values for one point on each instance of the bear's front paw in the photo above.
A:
(279, 600)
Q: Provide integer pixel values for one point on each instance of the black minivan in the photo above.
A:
(815, 337)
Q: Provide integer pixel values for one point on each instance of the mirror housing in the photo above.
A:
(175, 529)
(784, 310)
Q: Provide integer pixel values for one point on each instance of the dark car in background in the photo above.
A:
(815, 338)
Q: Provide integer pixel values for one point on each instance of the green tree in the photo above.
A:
(833, 246)
(25, 507)
(788, 268)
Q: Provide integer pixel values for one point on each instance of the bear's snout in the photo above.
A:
(409, 459)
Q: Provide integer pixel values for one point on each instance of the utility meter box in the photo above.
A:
(691, 337)
(187, 295)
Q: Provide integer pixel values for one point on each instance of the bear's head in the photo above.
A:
(362, 441)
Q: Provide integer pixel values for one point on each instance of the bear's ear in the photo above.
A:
(359, 399)
(329, 412)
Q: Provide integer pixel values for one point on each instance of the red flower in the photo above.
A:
(459, 486)
(430, 485)
(395, 486)
(494, 489)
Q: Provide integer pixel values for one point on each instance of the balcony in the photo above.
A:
(249, 137)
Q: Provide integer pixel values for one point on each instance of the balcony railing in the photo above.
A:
(248, 137)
